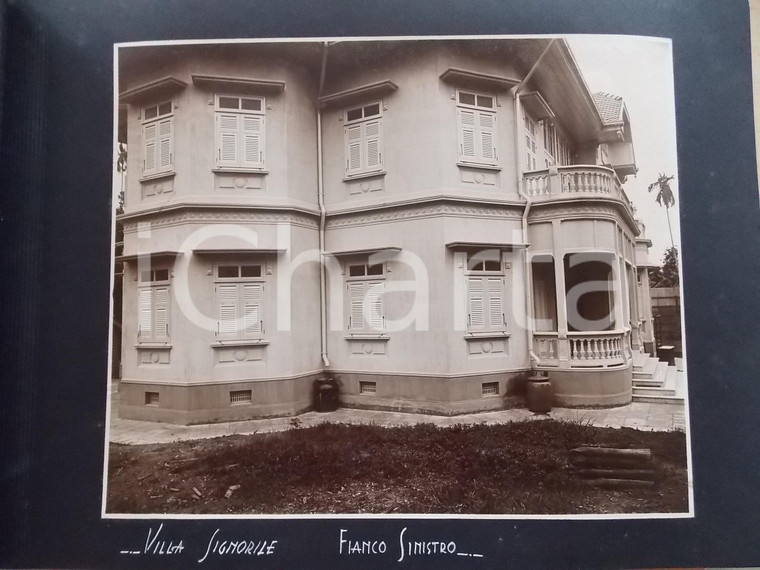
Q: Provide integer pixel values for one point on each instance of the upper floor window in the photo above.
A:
(476, 123)
(239, 301)
(158, 138)
(556, 150)
(240, 132)
(531, 162)
(365, 286)
(153, 296)
(363, 134)
(486, 286)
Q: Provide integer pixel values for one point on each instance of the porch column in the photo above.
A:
(619, 288)
(563, 345)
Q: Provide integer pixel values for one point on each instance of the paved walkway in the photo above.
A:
(656, 417)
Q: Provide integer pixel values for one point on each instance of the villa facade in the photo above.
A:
(428, 222)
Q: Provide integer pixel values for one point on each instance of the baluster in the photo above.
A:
(573, 349)
(552, 349)
(584, 349)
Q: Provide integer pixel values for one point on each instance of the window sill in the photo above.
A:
(238, 170)
(486, 335)
(368, 336)
(153, 345)
(361, 175)
(478, 165)
(239, 343)
(157, 176)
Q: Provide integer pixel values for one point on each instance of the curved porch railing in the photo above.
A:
(582, 349)
(576, 180)
(597, 349)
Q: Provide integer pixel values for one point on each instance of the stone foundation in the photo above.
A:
(428, 394)
(219, 402)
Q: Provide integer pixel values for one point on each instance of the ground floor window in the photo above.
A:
(365, 288)
(239, 291)
(486, 288)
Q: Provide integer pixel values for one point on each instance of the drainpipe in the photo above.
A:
(528, 203)
(322, 217)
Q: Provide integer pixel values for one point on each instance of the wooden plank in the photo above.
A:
(633, 454)
(643, 474)
(613, 483)
(609, 462)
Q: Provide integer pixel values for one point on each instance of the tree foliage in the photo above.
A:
(667, 275)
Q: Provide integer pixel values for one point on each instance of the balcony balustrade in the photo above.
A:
(577, 181)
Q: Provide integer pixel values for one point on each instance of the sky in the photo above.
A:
(641, 71)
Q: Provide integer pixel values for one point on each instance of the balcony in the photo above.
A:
(577, 181)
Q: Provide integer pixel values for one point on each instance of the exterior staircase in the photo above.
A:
(656, 382)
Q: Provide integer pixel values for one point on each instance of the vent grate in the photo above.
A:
(240, 397)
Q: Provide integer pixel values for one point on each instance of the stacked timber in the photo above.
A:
(612, 467)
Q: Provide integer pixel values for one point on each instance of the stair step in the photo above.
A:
(639, 359)
(674, 400)
(653, 391)
(647, 370)
(647, 383)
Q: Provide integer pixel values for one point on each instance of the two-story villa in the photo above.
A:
(426, 221)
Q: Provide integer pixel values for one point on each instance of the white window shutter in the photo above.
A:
(161, 311)
(165, 142)
(227, 139)
(467, 134)
(375, 304)
(227, 308)
(252, 300)
(353, 148)
(372, 144)
(495, 286)
(475, 302)
(487, 124)
(145, 320)
(253, 140)
(149, 148)
(356, 293)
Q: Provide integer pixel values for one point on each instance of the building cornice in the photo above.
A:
(430, 208)
(198, 214)
(583, 207)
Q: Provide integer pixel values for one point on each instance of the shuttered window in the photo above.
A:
(158, 138)
(531, 162)
(365, 288)
(476, 123)
(240, 132)
(363, 139)
(485, 303)
(239, 302)
(153, 313)
(486, 292)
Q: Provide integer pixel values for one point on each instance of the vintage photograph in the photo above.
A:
(397, 276)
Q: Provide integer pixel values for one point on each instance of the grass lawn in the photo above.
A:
(516, 468)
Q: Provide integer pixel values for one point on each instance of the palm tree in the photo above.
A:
(665, 198)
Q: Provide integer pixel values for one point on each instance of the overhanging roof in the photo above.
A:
(478, 80)
(152, 255)
(368, 251)
(153, 90)
(536, 105)
(364, 92)
(238, 251)
(485, 245)
(239, 84)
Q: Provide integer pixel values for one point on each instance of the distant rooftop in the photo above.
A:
(610, 107)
